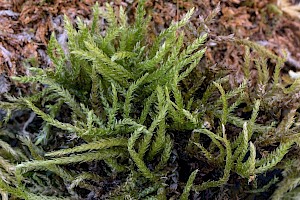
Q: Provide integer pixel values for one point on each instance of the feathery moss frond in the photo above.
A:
(53, 122)
(174, 26)
(273, 158)
(159, 141)
(189, 185)
(128, 98)
(225, 104)
(97, 145)
(6, 147)
(165, 154)
(85, 157)
(228, 165)
(242, 147)
(147, 139)
(136, 157)
(96, 13)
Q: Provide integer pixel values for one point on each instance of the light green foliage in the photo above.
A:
(287, 188)
(100, 144)
(228, 161)
(119, 100)
(105, 80)
(188, 187)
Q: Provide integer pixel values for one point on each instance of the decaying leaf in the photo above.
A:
(4, 85)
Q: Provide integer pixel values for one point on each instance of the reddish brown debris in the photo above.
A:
(26, 27)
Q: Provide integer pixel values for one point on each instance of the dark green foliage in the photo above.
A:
(121, 99)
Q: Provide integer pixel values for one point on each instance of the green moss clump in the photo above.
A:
(116, 100)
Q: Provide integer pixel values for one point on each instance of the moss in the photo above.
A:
(129, 109)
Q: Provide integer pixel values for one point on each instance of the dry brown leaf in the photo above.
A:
(42, 31)
(30, 50)
(289, 8)
(4, 84)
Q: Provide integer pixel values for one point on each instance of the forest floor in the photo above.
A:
(26, 26)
